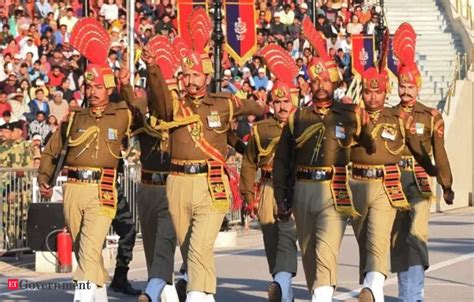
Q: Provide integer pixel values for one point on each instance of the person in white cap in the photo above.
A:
(227, 82)
(19, 108)
(27, 45)
(261, 79)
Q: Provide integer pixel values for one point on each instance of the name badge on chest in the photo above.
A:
(112, 134)
(214, 120)
(389, 135)
(340, 132)
(420, 128)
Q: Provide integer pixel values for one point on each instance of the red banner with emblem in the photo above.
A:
(363, 53)
(185, 9)
(241, 29)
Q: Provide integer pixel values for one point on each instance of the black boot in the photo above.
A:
(120, 282)
(180, 286)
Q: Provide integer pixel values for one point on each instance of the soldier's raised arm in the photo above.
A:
(160, 100)
(245, 106)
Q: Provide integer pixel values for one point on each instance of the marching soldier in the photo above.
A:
(197, 187)
(409, 251)
(94, 138)
(311, 160)
(279, 237)
(376, 186)
(159, 238)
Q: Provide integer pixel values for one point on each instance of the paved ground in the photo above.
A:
(242, 271)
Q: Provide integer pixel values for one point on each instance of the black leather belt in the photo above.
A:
(367, 172)
(314, 174)
(267, 174)
(406, 163)
(189, 168)
(154, 178)
(83, 175)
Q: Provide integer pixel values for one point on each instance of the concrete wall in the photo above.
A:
(459, 137)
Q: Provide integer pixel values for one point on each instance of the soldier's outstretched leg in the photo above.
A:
(124, 226)
(159, 237)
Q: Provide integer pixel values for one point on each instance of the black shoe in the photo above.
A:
(144, 298)
(181, 289)
(125, 289)
(274, 292)
(120, 283)
(366, 295)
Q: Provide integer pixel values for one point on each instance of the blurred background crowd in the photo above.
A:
(41, 75)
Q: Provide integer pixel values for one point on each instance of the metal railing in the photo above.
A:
(464, 9)
(19, 188)
(16, 186)
(460, 71)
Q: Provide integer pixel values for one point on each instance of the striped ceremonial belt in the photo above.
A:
(108, 192)
(341, 192)
(393, 187)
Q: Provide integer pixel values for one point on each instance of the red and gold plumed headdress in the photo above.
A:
(323, 65)
(91, 39)
(377, 78)
(200, 30)
(166, 58)
(285, 70)
(404, 42)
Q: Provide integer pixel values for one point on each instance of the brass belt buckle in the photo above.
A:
(190, 169)
(86, 174)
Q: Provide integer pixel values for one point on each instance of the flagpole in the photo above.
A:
(131, 39)
(218, 39)
(85, 101)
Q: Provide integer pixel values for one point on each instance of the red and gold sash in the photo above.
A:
(108, 192)
(341, 192)
(422, 180)
(216, 165)
(393, 187)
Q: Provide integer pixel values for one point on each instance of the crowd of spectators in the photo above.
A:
(41, 75)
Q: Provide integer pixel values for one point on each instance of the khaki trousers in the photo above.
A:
(197, 225)
(159, 237)
(320, 230)
(372, 229)
(279, 238)
(88, 227)
(409, 246)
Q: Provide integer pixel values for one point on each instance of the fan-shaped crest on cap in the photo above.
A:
(280, 63)
(181, 48)
(200, 29)
(404, 43)
(91, 39)
(315, 38)
(165, 55)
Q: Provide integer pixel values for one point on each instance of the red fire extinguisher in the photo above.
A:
(64, 244)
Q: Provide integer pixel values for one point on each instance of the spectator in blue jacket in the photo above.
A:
(261, 79)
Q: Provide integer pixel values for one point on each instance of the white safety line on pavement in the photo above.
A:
(393, 280)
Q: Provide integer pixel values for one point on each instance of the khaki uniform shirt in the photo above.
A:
(427, 123)
(391, 138)
(98, 150)
(313, 141)
(216, 110)
(259, 154)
